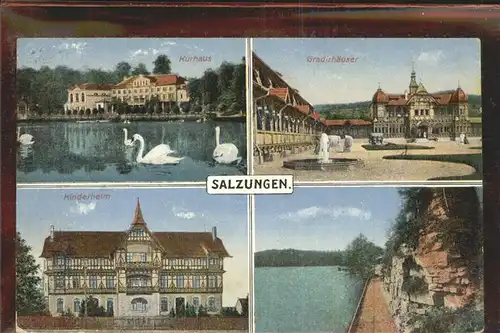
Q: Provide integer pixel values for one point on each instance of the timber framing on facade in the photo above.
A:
(135, 272)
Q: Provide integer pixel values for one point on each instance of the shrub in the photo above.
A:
(445, 320)
(415, 285)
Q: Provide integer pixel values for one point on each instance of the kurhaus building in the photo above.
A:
(418, 113)
(136, 272)
(135, 90)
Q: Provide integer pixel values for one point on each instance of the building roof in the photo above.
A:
(280, 92)
(342, 122)
(92, 86)
(380, 97)
(459, 96)
(105, 243)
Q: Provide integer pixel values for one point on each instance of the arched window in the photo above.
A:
(139, 304)
(212, 306)
(83, 97)
(109, 305)
(76, 306)
(60, 305)
(71, 98)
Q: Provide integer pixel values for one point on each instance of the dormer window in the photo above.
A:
(60, 260)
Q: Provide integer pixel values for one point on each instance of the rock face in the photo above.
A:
(443, 268)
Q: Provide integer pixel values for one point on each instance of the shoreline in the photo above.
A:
(199, 117)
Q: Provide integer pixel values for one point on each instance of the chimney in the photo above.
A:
(214, 234)
(52, 232)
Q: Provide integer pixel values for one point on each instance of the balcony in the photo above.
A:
(81, 290)
(134, 290)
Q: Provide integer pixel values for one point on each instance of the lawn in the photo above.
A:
(393, 146)
(474, 160)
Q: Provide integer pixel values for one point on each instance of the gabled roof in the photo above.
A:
(104, 244)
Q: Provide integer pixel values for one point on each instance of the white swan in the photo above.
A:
(157, 155)
(25, 139)
(225, 153)
(128, 142)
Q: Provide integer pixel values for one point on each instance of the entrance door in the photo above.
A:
(180, 306)
(423, 131)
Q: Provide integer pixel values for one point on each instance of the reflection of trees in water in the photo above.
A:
(69, 147)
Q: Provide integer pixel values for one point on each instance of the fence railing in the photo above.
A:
(131, 323)
(269, 138)
(355, 317)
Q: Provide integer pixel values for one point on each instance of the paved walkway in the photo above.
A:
(374, 316)
(378, 169)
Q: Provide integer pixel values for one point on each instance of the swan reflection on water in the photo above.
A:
(107, 152)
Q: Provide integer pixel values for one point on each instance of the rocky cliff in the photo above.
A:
(443, 267)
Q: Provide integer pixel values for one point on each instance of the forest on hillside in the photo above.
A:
(216, 90)
(359, 257)
(361, 110)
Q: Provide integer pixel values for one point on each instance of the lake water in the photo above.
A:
(95, 152)
(304, 299)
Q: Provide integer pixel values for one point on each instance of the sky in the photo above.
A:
(440, 63)
(324, 219)
(105, 53)
(163, 210)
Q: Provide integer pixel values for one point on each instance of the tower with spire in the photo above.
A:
(413, 81)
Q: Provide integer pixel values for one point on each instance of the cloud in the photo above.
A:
(83, 208)
(432, 57)
(183, 214)
(333, 212)
(78, 47)
(143, 53)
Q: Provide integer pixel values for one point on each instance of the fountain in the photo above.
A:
(324, 162)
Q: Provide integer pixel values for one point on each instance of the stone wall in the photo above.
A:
(447, 272)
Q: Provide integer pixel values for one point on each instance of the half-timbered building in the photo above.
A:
(136, 272)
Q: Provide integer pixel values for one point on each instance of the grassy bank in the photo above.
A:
(474, 160)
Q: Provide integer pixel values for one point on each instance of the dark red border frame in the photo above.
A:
(251, 20)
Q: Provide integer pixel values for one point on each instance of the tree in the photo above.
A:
(122, 70)
(92, 308)
(162, 65)
(140, 69)
(361, 256)
(29, 297)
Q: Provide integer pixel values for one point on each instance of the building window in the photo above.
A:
(60, 305)
(164, 281)
(196, 282)
(138, 282)
(59, 281)
(109, 305)
(164, 304)
(196, 302)
(211, 281)
(93, 282)
(142, 257)
(60, 260)
(110, 281)
(180, 282)
(130, 257)
(76, 282)
(212, 305)
(76, 306)
(71, 98)
(83, 97)
(139, 305)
